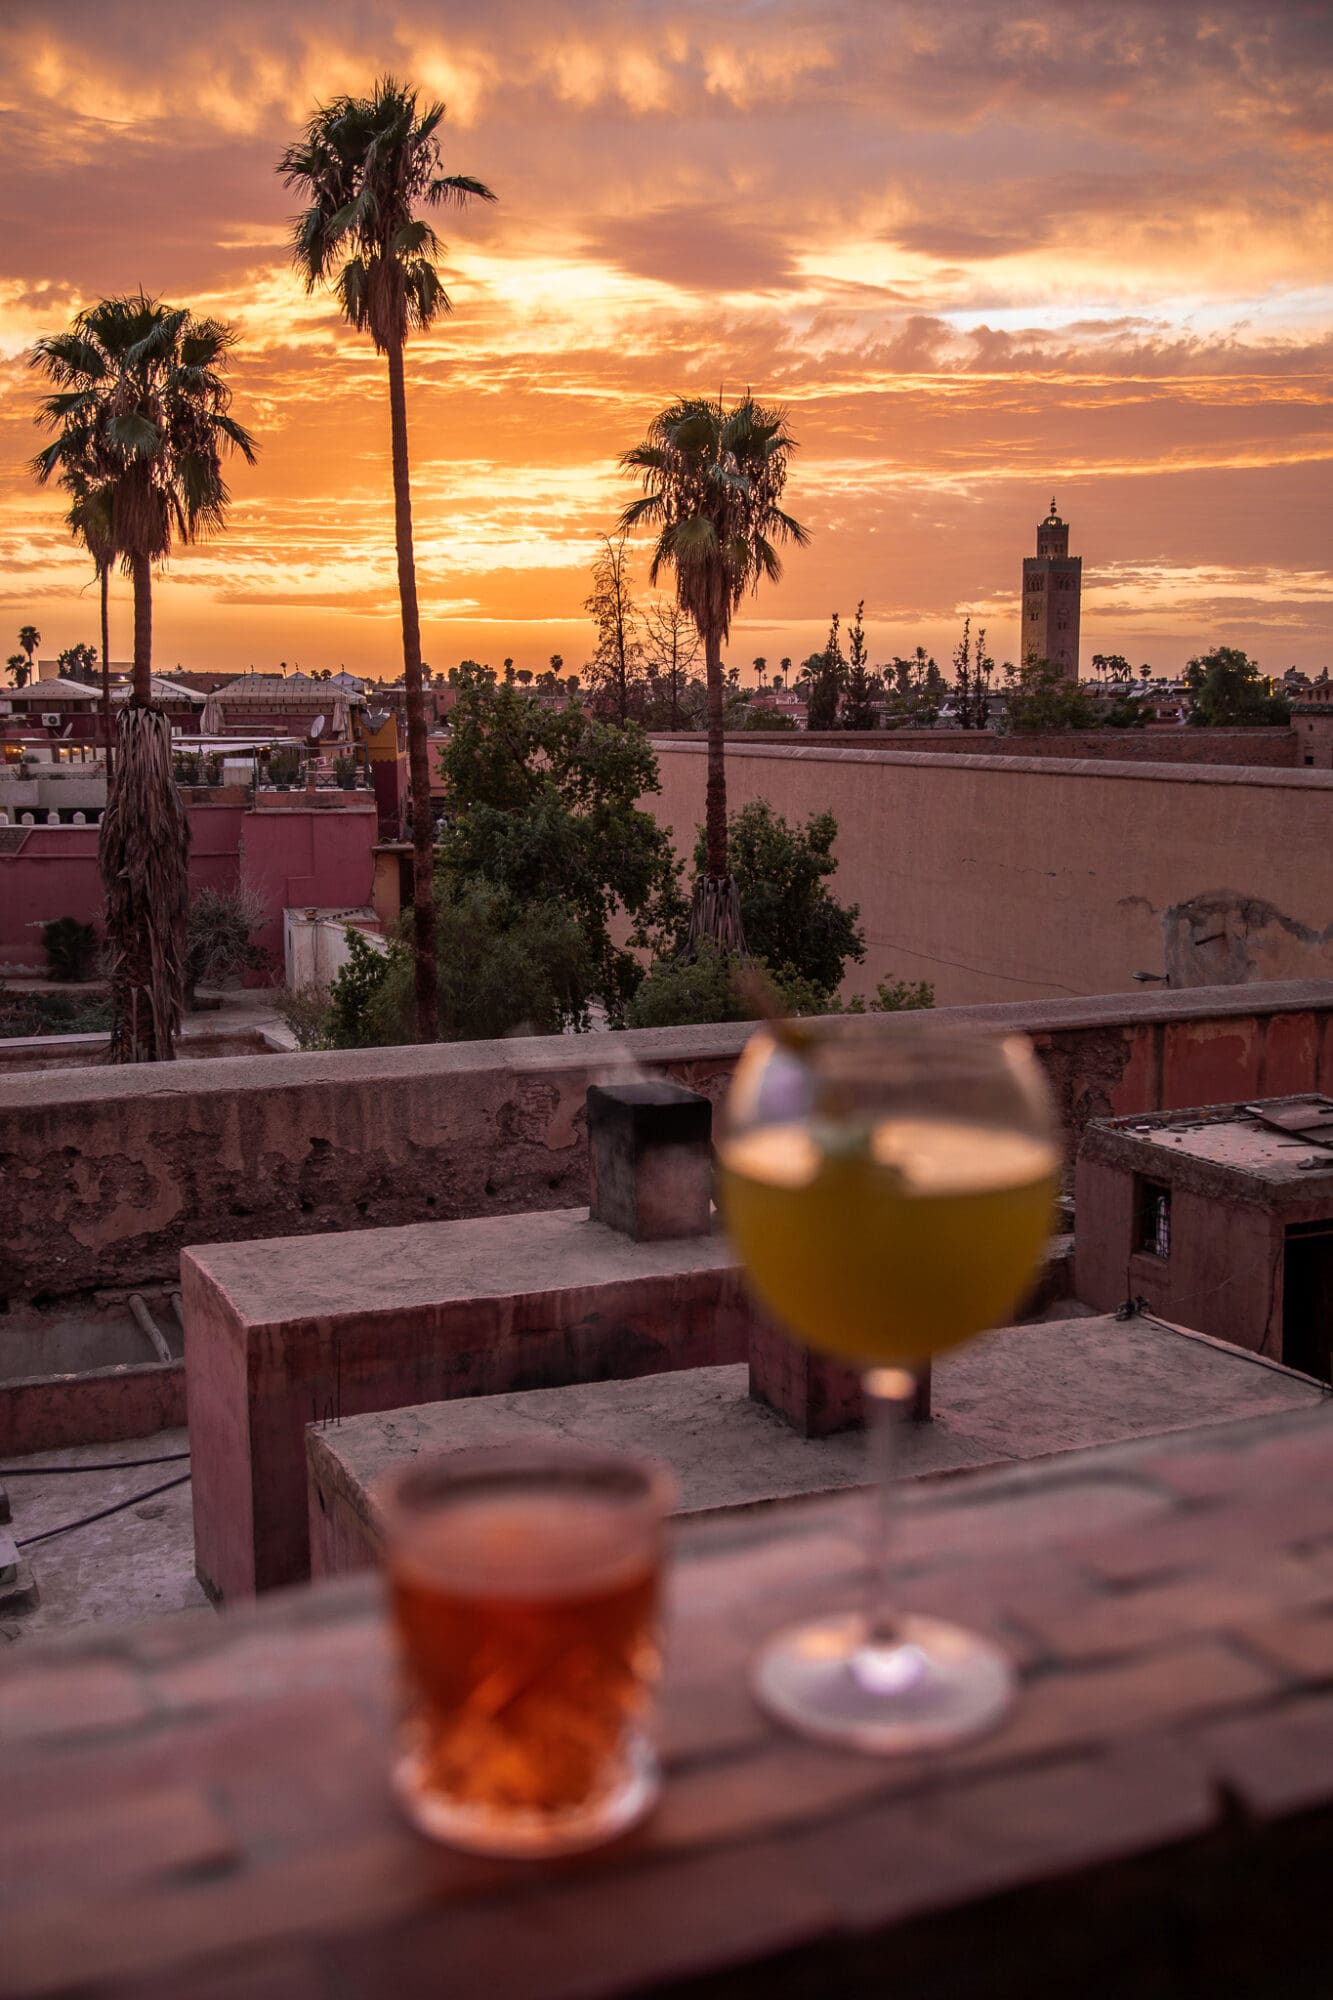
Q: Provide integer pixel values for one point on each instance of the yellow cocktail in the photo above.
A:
(889, 1190)
(889, 1243)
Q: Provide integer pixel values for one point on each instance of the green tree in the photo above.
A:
(825, 676)
(782, 871)
(1040, 696)
(543, 803)
(1227, 691)
(616, 671)
(506, 966)
(78, 663)
(680, 992)
(713, 479)
(365, 165)
(914, 691)
(859, 708)
(140, 416)
(972, 670)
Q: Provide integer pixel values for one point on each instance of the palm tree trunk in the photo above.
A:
(104, 578)
(423, 841)
(715, 797)
(142, 572)
(716, 909)
(143, 851)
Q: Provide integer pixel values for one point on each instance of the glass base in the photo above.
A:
(518, 1834)
(933, 1685)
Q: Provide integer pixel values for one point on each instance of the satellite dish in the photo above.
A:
(317, 728)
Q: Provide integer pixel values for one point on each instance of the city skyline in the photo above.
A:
(979, 259)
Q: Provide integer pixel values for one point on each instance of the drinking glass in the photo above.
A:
(889, 1187)
(524, 1587)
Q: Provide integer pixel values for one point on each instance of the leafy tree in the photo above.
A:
(524, 677)
(1112, 667)
(1040, 696)
(365, 165)
(683, 991)
(914, 691)
(17, 664)
(219, 938)
(616, 670)
(859, 709)
(78, 663)
(1228, 691)
(768, 718)
(972, 670)
(760, 669)
(825, 676)
(506, 966)
(791, 918)
(543, 803)
(713, 479)
(140, 416)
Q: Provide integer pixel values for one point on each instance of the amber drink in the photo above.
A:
(525, 1597)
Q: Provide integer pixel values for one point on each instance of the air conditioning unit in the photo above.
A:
(52, 718)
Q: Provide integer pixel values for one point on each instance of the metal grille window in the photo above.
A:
(1154, 1234)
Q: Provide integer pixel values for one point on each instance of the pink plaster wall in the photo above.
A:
(1014, 878)
(302, 855)
(316, 857)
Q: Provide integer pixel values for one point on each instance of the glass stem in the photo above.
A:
(889, 1394)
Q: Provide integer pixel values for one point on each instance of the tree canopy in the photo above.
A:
(543, 803)
(1228, 691)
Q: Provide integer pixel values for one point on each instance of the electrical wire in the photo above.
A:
(86, 1521)
(114, 1465)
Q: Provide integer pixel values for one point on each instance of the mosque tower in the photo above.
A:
(1052, 588)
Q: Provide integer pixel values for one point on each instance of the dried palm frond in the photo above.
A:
(144, 856)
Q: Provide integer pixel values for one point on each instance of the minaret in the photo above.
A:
(1052, 587)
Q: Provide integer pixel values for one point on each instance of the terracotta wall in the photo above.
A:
(1004, 878)
(108, 1174)
(303, 855)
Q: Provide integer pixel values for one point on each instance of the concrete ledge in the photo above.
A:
(1252, 775)
(42, 1412)
(1022, 1392)
(283, 1333)
(118, 1169)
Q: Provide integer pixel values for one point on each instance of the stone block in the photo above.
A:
(300, 1330)
(650, 1163)
(814, 1393)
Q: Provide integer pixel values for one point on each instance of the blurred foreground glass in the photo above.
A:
(890, 1190)
(525, 1595)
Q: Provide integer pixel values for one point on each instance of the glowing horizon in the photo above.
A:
(978, 258)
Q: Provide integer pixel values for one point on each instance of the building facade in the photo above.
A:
(1052, 589)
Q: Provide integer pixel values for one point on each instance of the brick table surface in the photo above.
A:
(201, 1809)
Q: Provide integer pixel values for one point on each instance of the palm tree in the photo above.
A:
(30, 639)
(712, 480)
(364, 164)
(140, 416)
(18, 669)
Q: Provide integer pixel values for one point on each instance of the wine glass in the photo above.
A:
(889, 1186)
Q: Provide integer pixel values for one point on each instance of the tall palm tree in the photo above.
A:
(139, 412)
(30, 639)
(17, 664)
(712, 480)
(364, 165)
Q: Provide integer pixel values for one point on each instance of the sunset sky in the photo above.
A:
(982, 255)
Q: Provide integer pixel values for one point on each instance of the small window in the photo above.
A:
(1154, 1230)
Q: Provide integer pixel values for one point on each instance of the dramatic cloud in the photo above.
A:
(980, 255)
